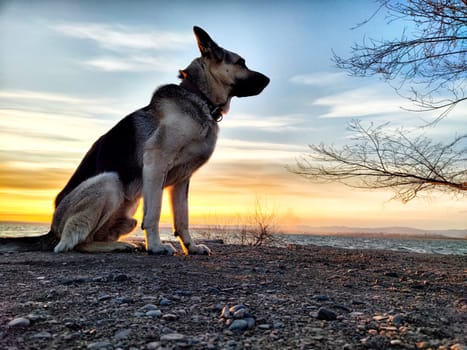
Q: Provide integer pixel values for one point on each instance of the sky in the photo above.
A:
(70, 70)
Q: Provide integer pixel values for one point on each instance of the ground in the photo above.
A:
(289, 298)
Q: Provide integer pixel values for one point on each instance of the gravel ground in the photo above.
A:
(238, 298)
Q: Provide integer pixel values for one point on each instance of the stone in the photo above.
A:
(147, 307)
(169, 317)
(104, 297)
(42, 335)
(250, 322)
(165, 302)
(155, 345)
(225, 312)
(326, 314)
(321, 297)
(239, 325)
(99, 345)
(19, 322)
(172, 337)
(154, 313)
(122, 334)
(278, 324)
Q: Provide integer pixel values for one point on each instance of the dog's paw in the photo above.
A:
(199, 249)
(62, 247)
(163, 249)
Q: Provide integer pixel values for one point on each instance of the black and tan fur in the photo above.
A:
(155, 147)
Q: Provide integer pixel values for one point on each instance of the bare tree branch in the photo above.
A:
(379, 159)
(430, 63)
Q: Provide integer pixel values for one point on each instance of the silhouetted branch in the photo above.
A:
(378, 159)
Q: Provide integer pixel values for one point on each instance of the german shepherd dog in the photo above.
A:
(158, 146)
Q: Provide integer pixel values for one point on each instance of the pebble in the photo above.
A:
(236, 308)
(122, 334)
(264, 326)
(458, 346)
(321, 297)
(326, 314)
(238, 325)
(147, 307)
(172, 337)
(99, 345)
(225, 312)
(155, 345)
(170, 317)
(165, 302)
(154, 313)
(42, 335)
(19, 322)
(278, 324)
(104, 297)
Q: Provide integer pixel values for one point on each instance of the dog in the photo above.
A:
(158, 146)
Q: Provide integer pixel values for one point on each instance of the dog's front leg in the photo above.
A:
(154, 175)
(179, 202)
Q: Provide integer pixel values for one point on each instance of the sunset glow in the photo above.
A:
(83, 68)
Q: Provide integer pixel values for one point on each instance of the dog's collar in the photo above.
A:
(215, 110)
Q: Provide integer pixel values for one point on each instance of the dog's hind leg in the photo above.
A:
(179, 202)
(86, 209)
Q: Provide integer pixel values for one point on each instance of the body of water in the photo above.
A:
(432, 246)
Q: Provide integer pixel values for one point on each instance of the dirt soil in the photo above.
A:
(281, 298)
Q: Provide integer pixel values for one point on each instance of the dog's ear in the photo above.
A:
(207, 46)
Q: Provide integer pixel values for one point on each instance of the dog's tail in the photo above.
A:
(25, 244)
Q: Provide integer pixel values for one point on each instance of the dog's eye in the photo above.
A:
(241, 62)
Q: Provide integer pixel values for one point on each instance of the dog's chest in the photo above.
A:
(196, 147)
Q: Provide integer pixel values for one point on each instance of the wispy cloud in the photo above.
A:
(266, 123)
(361, 102)
(117, 37)
(128, 49)
(319, 79)
(131, 64)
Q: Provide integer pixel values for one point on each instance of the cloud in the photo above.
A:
(128, 49)
(232, 149)
(319, 79)
(266, 123)
(130, 64)
(361, 102)
(117, 37)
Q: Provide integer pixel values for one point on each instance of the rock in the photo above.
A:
(147, 307)
(123, 300)
(242, 313)
(42, 335)
(236, 308)
(264, 326)
(165, 302)
(278, 324)
(99, 345)
(155, 345)
(154, 313)
(104, 297)
(19, 322)
(172, 337)
(321, 297)
(239, 325)
(397, 320)
(170, 317)
(326, 314)
(225, 312)
(250, 322)
(122, 334)
(458, 346)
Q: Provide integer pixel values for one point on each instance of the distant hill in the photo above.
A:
(376, 231)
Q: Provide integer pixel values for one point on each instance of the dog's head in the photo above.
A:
(221, 74)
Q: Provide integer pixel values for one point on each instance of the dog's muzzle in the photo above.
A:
(250, 86)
